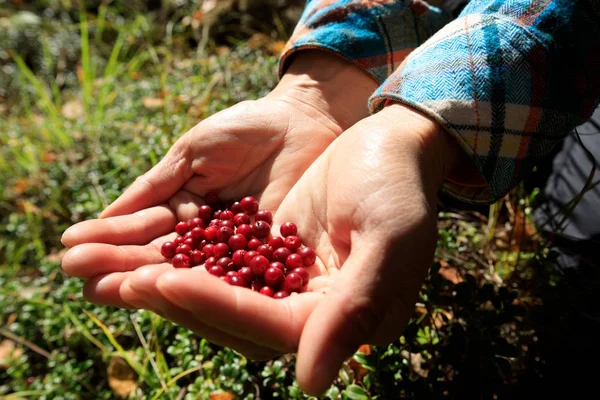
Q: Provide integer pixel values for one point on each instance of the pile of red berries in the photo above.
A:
(235, 244)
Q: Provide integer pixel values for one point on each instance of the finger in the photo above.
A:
(139, 228)
(146, 295)
(104, 290)
(271, 323)
(185, 204)
(90, 259)
(157, 185)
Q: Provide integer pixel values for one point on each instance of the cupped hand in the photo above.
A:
(367, 206)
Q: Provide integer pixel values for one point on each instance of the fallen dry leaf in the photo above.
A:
(152, 102)
(222, 396)
(416, 360)
(450, 272)
(122, 379)
(8, 352)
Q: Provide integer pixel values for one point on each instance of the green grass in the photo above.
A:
(56, 171)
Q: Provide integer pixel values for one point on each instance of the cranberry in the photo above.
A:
(216, 270)
(224, 233)
(183, 249)
(190, 242)
(246, 230)
(197, 223)
(249, 205)
(228, 223)
(178, 240)
(211, 198)
(209, 250)
(292, 242)
(246, 273)
(249, 256)
(210, 261)
(261, 229)
(265, 250)
(303, 274)
(277, 264)
(259, 265)
(197, 257)
(267, 291)
(292, 282)
(168, 249)
(236, 281)
(224, 262)
(281, 295)
(238, 258)
(181, 261)
(237, 242)
(273, 276)
(236, 208)
(275, 242)
(240, 219)
(220, 250)
(226, 215)
(308, 256)
(182, 228)
(293, 261)
(264, 215)
(281, 254)
(205, 213)
(253, 244)
(288, 229)
(210, 233)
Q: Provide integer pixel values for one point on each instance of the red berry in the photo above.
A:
(267, 291)
(215, 222)
(258, 283)
(217, 215)
(265, 250)
(236, 281)
(288, 229)
(246, 230)
(226, 215)
(303, 274)
(216, 270)
(240, 219)
(281, 295)
(181, 261)
(278, 265)
(237, 242)
(178, 240)
(224, 262)
(183, 249)
(273, 276)
(281, 254)
(293, 261)
(197, 223)
(253, 244)
(246, 273)
(182, 228)
(168, 249)
(197, 233)
(220, 250)
(249, 256)
(205, 213)
(308, 256)
(275, 242)
(261, 229)
(209, 250)
(236, 208)
(211, 198)
(228, 223)
(210, 233)
(238, 258)
(292, 242)
(231, 273)
(249, 205)
(189, 242)
(259, 265)
(210, 261)
(292, 282)
(224, 233)
(264, 215)
(196, 257)
(187, 235)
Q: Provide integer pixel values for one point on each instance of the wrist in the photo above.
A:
(321, 82)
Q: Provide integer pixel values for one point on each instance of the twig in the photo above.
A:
(26, 343)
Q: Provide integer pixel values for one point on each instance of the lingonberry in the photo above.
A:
(261, 229)
(281, 295)
(197, 233)
(228, 223)
(220, 250)
(264, 215)
(210, 261)
(187, 235)
(288, 229)
(216, 270)
(249, 205)
(275, 242)
(224, 262)
(308, 256)
(292, 242)
(182, 228)
(267, 291)
(236, 208)
(205, 213)
(265, 250)
(277, 264)
(215, 222)
(259, 265)
(246, 230)
(231, 273)
(217, 215)
(190, 242)
(292, 282)
(237, 242)
(249, 256)
(238, 258)
(208, 250)
(211, 198)
(226, 215)
(168, 249)
(303, 273)
(178, 240)
(281, 254)
(253, 244)
(224, 233)
(246, 273)
(196, 257)
(197, 223)
(183, 249)
(240, 219)
(273, 276)
(293, 261)
(181, 261)
(258, 283)
(236, 281)
(210, 233)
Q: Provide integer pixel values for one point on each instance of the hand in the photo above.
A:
(368, 207)
(256, 147)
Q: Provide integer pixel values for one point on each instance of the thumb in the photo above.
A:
(369, 302)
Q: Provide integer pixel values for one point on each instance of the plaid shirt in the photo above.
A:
(507, 78)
